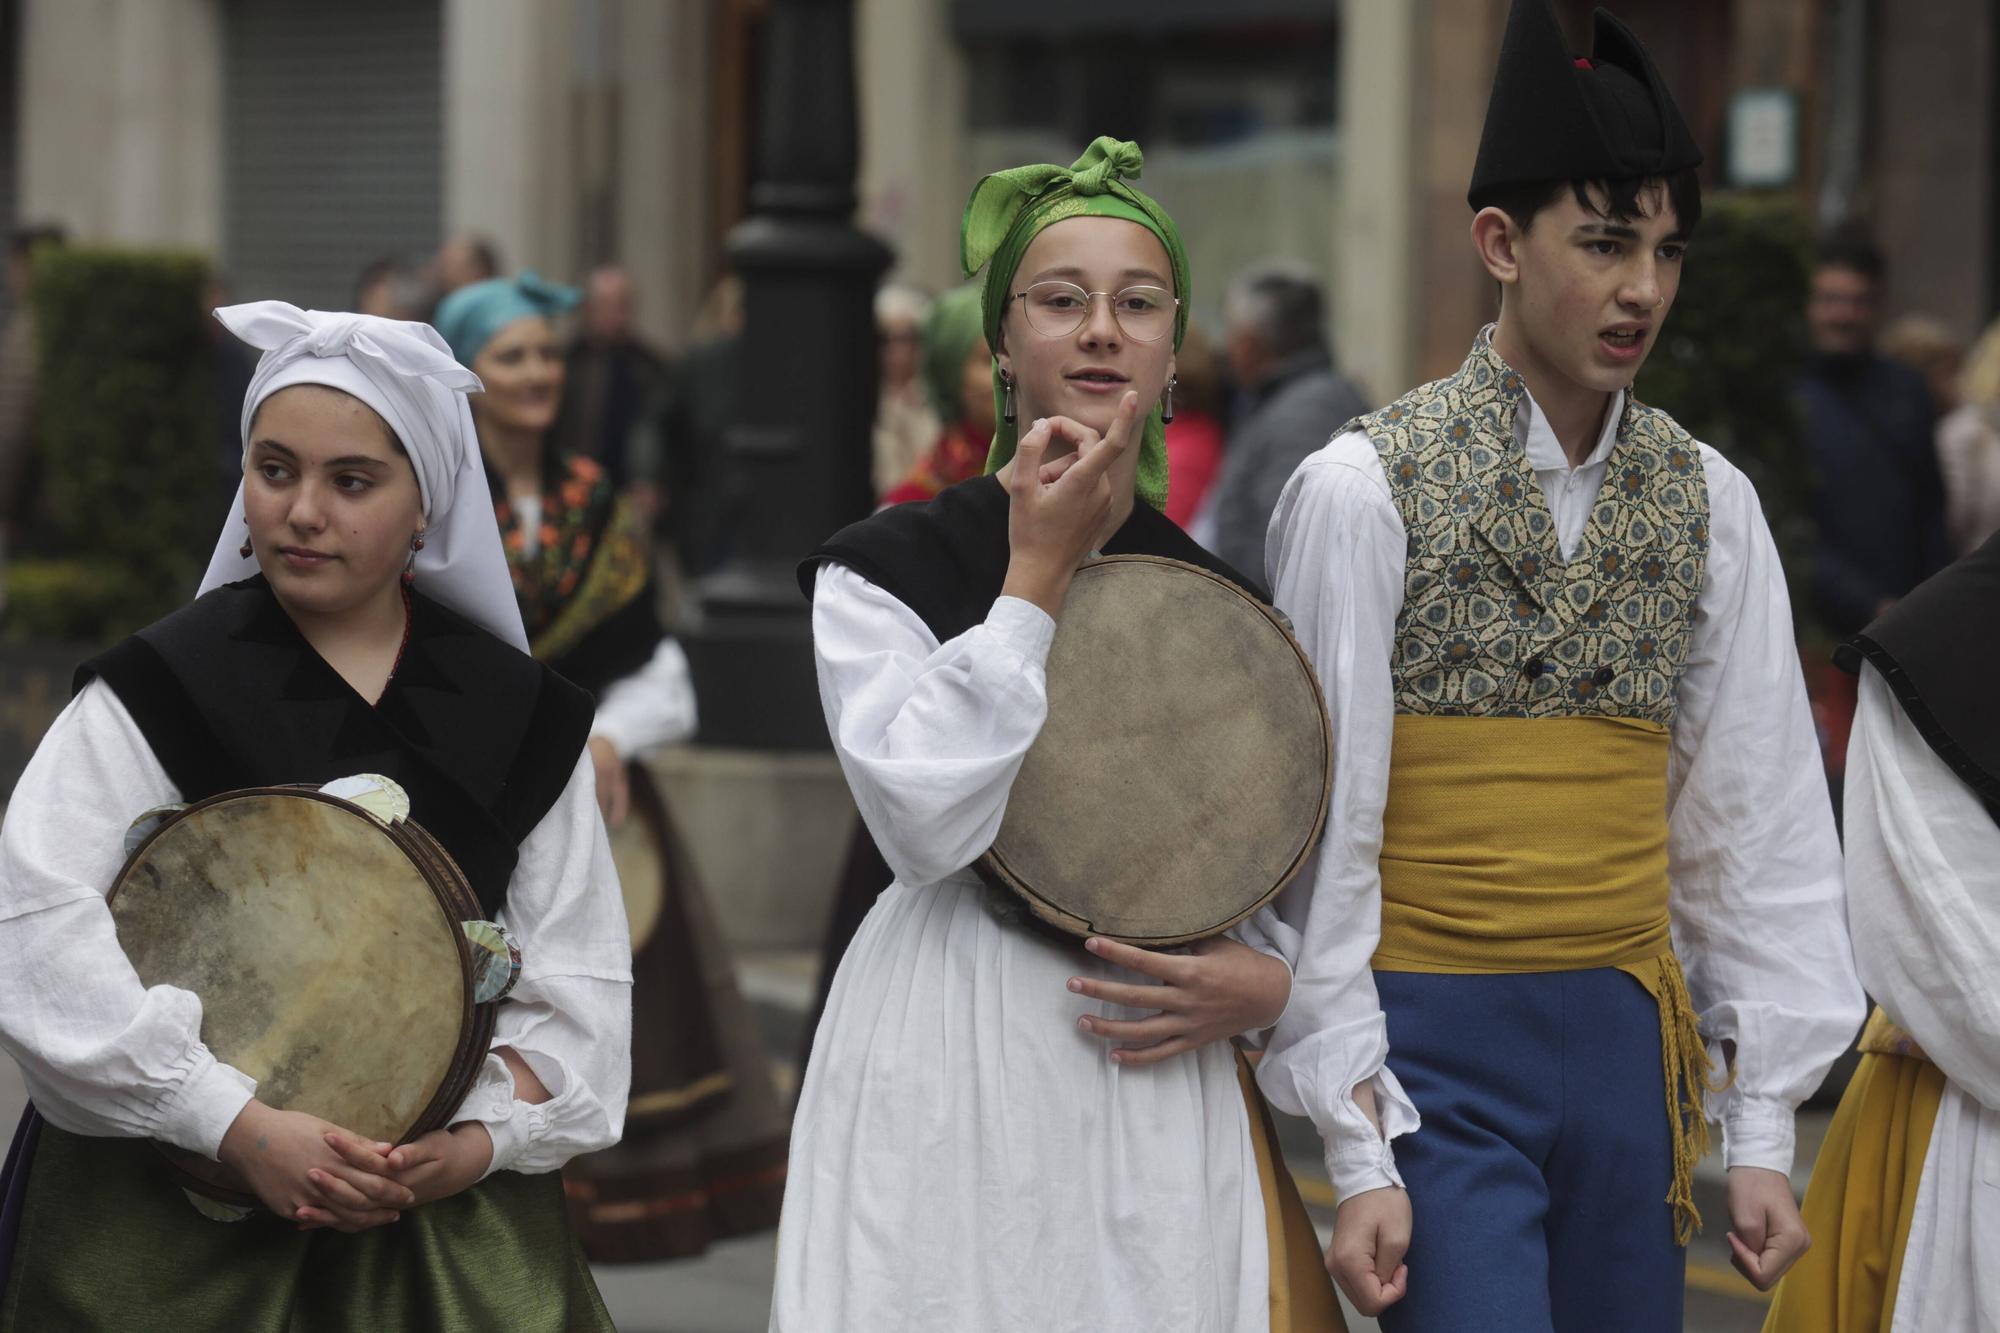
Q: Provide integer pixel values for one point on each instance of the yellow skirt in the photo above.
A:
(1302, 1298)
(1860, 1201)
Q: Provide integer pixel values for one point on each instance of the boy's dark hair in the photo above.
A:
(1523, 202)
(1849, 246)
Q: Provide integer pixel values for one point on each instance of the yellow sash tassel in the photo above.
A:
(1685, 1061)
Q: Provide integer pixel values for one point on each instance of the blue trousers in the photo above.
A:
(1539, 1179)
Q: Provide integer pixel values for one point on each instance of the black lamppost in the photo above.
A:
(796, 457)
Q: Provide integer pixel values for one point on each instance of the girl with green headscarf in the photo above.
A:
(955, 369)
(987, 1138)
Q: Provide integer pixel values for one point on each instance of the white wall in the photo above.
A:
(913, 166)
(1374, 325)
(662, 151)
(506, 68)
(557, 107)
(120, 109)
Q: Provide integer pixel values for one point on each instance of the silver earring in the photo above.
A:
(1167, 403)
(1007, 401)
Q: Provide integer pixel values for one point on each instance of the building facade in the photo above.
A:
(297, 141)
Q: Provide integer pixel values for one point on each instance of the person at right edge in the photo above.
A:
(1580, 889)
(1903, 1195)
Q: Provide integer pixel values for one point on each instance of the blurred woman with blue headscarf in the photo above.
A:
(704, 1151)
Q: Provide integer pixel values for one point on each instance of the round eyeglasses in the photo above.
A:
(1057, 309)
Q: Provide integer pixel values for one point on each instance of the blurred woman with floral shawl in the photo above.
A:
(703, 1156)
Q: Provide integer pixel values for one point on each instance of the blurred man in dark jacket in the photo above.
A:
(616, 390)
(1878, 498)
(1293, 401)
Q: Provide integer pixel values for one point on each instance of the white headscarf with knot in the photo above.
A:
(404, 371)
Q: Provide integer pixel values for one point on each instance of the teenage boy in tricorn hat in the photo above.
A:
(1580, 874)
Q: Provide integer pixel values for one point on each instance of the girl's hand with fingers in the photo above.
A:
(443, 1162)
(357, 1193)
(1057, 514)
(1217, 989)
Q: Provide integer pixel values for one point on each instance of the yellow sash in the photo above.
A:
(1540, 845)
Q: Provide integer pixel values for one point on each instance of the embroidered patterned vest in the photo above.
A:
(1494, 622)
(1525, 826)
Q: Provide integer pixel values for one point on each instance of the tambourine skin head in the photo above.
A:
(1181, 777)
(325, 947)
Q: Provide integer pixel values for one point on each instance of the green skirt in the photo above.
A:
(108, 1241)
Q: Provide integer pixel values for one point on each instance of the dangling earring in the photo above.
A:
(1167, 403)
(244, 549)
(410, 566)
(1007, 402)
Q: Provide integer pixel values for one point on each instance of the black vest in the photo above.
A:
(483, 738)
(946, 558)
(1937, 648)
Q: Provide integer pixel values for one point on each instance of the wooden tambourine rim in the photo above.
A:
(456, 903)
(648, 808)
(992, 864)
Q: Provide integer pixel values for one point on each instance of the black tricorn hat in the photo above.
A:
(1558, 117)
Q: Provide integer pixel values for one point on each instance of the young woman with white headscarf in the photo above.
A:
(356, 618)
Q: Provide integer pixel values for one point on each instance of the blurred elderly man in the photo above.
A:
(1293, 402)
(463, 260)
(616, 389)
(905, 424)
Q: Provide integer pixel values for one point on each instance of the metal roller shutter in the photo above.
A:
(333, 155)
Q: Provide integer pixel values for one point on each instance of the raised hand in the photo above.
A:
(1057, 514)
(1218, 989)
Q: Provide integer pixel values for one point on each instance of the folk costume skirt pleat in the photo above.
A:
(108, 1241)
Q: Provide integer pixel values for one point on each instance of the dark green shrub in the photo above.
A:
(127, 441)
(1731, 350)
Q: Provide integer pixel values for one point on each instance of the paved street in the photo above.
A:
(727, 1290)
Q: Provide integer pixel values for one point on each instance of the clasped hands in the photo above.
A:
(317, 1174)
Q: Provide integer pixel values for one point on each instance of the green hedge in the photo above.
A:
(124, 424)
(1731, 351)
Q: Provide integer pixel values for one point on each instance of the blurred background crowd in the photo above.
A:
(1834, 335)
